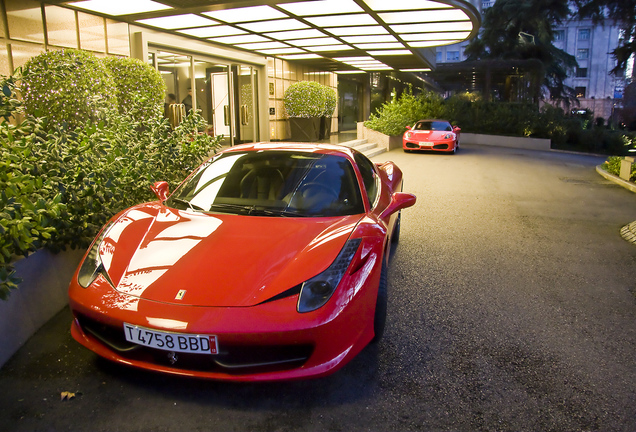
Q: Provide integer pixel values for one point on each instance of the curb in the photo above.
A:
(616, 179)
(628, 232)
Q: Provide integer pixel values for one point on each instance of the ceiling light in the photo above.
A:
(377, 67)
(248, 38)
(349, 72)
(389, 5)
(424, 16)
(301, 56)
(389, 45)
(432, 27)
(314, 42)
(370, 39)
(276, 25)
(390, 52)
(262, 45)
(416, 70)
(321, 7)
(119, 7)
(342, 20)
(246, 14)
(324, 48)
(214, 31)
(357, 31)
(426, 44)
(435, 36)
(296, 34)
(177, 21)
(282, 51)
(352, 59)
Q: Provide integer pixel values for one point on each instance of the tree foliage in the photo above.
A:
(524, 30)
(619, 12)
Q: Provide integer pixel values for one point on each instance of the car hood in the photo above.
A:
(429, 135)
(188, 258)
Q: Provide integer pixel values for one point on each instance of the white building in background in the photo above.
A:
(592, 45)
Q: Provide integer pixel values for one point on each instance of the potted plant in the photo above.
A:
(305, 104)
(331, 99)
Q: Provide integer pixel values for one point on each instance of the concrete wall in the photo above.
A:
(41, 295)
(505, 141)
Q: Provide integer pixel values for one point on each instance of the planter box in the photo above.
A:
(40, 296)
(325, 127)
(388, 142)
(305, 129)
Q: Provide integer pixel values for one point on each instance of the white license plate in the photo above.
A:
(426, 144)
(178, 342)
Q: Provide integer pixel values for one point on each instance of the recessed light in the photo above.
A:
(388, 45)
(274, 25)
(390, 52)
(300, 56)
(389, 5)
(262, 45)
(314, 42)
(214, 31)
(177, 21)
(296, 34)
(432, 27)
(357, 31)
(435, 36)
(248, 38)
(282, 51)
(424, 16)
(416, 70)
(325, 48)
(119, 7)
(342, 20)
(246, 14)
(347, 72)
(321, 7)
(369, 39)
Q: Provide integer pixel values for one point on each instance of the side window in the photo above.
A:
(369, 176)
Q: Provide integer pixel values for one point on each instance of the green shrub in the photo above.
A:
(139, 87)
(613, 166)
(69, 86)
(305, 99)
(331, 101)
(60, 185)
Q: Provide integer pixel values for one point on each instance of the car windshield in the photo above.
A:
(433, 126)
(272, 183)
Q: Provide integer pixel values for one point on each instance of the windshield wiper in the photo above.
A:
(252, 210)
(193, 207)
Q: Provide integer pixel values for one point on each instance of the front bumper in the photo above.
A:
(442, 146)
(266, 342)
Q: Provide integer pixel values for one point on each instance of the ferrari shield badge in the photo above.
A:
(180, 295)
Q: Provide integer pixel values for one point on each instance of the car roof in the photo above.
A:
(432, 120)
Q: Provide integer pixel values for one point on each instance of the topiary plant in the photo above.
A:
(139, 86)
(331, 100)
(305, 99)
(68, 86)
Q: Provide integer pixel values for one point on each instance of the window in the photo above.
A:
(584, 34)
(438, 57)
(452, 55)
(582, 53)
(580, 92)
(581, 72)
(559, 35)
(369, 177)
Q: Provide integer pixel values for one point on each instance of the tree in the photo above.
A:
(523, 30)
(621, 13)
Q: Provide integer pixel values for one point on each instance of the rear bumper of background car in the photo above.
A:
(266, 342)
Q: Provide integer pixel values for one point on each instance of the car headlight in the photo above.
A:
(409, 135)
(316, 291)
(92, 265)
(448, 136)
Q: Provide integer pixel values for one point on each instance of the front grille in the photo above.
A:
(232, 358)
(440, 146)
(412, 145)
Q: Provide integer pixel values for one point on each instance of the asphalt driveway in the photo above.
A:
(511, 307)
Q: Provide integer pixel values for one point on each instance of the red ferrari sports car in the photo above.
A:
(268, 262)
(431, 135)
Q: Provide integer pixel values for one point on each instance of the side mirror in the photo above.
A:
(399, 201)
(456, 129)
(161, 189)
(408, 128)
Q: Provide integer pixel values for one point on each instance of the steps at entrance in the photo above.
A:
(364, 147)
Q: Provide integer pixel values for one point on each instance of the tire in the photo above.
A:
(379, 319)
(395, 237)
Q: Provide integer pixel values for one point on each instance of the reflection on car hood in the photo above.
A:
(156, 253)
(429, 135)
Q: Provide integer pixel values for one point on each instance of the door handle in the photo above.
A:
(226, 115)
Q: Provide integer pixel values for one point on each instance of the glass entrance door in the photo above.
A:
(246, 109)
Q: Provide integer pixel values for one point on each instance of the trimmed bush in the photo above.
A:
(331, 100)
(68, 86)
(139, 87)
(305, 99)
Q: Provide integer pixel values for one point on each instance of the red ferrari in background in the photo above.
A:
(268, 262)
(431, 135)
